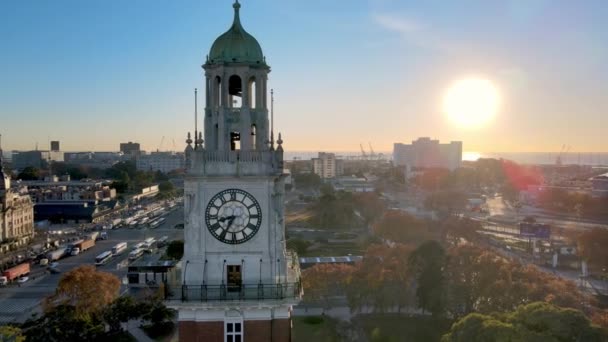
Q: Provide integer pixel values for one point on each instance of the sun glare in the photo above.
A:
(472, 102)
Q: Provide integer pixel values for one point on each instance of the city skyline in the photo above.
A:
(95, 75)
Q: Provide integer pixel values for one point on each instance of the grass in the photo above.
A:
(314, 328)
(399, 327)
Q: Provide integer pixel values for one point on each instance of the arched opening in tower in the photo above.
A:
(252, 93)
(218, 91)
(235, 141)
(235, 90)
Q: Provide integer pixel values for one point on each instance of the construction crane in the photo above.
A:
(372, 154)
(162, 140)
(562, 154)
(363, 154)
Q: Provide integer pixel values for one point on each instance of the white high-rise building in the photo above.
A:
(237, 282)
(327, 166)
(426, 153)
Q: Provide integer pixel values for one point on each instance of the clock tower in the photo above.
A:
(236, 282)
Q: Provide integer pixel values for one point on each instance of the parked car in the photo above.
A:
(54, 270)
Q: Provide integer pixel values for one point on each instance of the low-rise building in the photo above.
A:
(161, 161)
(66, 201)
(37, 159)
(599, 185)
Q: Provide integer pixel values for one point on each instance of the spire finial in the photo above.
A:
(237, 18)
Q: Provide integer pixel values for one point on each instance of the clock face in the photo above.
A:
(233, 216)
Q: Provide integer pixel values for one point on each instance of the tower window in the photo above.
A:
(235, 141)
(235, 90)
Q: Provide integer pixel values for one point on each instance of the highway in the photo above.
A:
(19, 302)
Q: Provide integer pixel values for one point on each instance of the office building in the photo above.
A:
(426, 153)
(130, 149)
(327, 166)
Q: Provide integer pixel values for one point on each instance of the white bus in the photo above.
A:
(119, 248)
(138, 246)
(136, 254)
(162, 241)
(103, 258)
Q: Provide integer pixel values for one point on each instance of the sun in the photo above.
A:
(471, 102)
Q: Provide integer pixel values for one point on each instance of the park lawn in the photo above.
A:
(400, 327)
(314, 328)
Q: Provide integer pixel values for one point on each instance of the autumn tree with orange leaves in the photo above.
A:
(86, 289)
(324, 281)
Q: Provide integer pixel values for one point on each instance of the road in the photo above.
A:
(18, 302)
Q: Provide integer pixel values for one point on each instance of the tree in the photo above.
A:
(428, 262)
(63, 323)
(532, 322)
(11, 334)
(446, 202)
(86, 289)
(298, 245)
(307, 180)
(456, 229)
(482, 281)
(382, 280)
(592, 247)
(175, 249)
(369, 205)
(122, 310)
(324, 281)
(29, 173)
(401, 227)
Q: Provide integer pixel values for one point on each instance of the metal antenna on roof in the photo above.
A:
(272, 118)
(195, 118)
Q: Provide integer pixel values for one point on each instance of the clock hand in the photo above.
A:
(230, 223)
(226, 218)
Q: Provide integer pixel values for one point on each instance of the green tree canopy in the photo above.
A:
(428, 263)
(175, 249)
(537, 321)
(29, 173)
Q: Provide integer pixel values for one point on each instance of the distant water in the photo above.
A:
(537, 158)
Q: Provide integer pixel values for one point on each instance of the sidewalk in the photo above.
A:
(133, 328)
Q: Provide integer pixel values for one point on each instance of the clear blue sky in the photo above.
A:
(96, 73)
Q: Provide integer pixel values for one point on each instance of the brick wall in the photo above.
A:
(190, 331)
(278, 330)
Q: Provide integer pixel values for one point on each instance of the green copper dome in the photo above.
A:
(236, 45)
